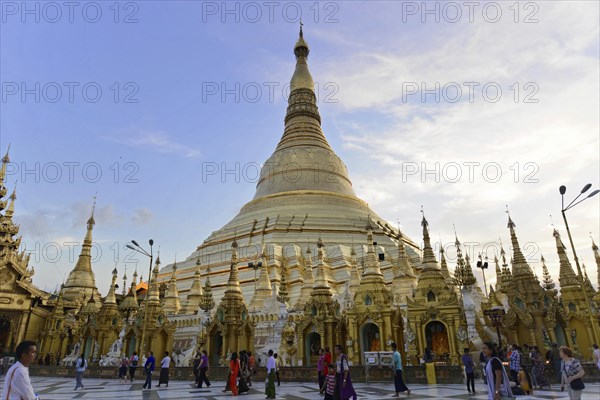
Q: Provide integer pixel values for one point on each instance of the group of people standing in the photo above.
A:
(522, 360)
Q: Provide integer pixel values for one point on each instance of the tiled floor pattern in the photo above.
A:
(62, 389)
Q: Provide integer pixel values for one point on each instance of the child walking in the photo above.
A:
(329, 384)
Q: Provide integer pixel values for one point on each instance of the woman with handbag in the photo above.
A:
(497, 378)
(343, 384)
(572, 372)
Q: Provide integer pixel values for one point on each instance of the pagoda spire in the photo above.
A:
(308, 282)
(172, 303)
(283, 296)
(567, 277)
(321, 284)
(463, 274)
(11, 206)
(372, 266)
(498, 273)
(207, 302)
(233, 283)
(597, 258)
(429, 261)
(264, 289)
(5, 161)
(110, 297)
(444, 266)
(355, 279)
(130, 303)
(81, 279)
(153, 291)
(547, 278)
(194, 297)
(124, 281)
(520, 266)
(404, 266)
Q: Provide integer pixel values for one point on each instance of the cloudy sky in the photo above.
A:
(163, 110)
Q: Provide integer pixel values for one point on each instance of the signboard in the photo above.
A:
(386, 358)
(371, 358)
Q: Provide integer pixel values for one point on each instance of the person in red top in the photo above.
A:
(234, 368)
(326, 362)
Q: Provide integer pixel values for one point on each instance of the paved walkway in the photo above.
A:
(62, 389)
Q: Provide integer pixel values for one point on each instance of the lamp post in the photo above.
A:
(483, 266)
(496, 314)
(562, 190)
(139, 249)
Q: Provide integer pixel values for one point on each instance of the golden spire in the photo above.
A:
(11, 206)
(153, 291)
(233, 283)
(493, 299)
(302, 79)
(172, 303)
(404, 266)
(547, 279)
(321, 281)
(110, 297)
(463, 274)
(81, 279)
(283, 296)
(194, 297)
(566, 276)
(372, 266)
(597, 257)
(207, 302)
(308, 282)
(354, 274)
(125, 280)
(498, 273)
(5, 160)
(130, 303)
(444, 266)
(429, 261)
(520, 266)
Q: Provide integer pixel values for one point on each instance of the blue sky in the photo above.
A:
(159, 126)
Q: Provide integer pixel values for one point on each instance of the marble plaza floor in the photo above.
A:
(62, 389)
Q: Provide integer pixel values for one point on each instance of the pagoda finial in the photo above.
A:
(301, 25)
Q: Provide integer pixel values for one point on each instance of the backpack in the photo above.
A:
(134, 361)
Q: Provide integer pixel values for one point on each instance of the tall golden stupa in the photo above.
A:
(304, 193)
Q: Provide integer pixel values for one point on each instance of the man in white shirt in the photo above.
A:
(271, 368)
(164, 370)
(17, 384)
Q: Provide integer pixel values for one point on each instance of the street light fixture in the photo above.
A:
(139, 249)
(562, 190)
(483, 266)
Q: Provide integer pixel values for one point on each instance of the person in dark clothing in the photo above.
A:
(149, 368)
(203, 369)
(467, 361)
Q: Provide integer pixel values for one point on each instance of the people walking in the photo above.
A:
(553, 356)
(149, 368)
(497, 378)
(123, 364)
(203, 370)
(398, 381)
(133, 363)
(277, 366)
(270, 386)
(234, 370)
(329, 383)
(538, 375)
(515, 363)
(343, 383)
(596, 355)
(572, 372)
(467, 361)
(320, 366)
(164, 370)
(243, 374)
(251, 367)
(17, 384)
(196, 365)
(80, 367)
(482, 362)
